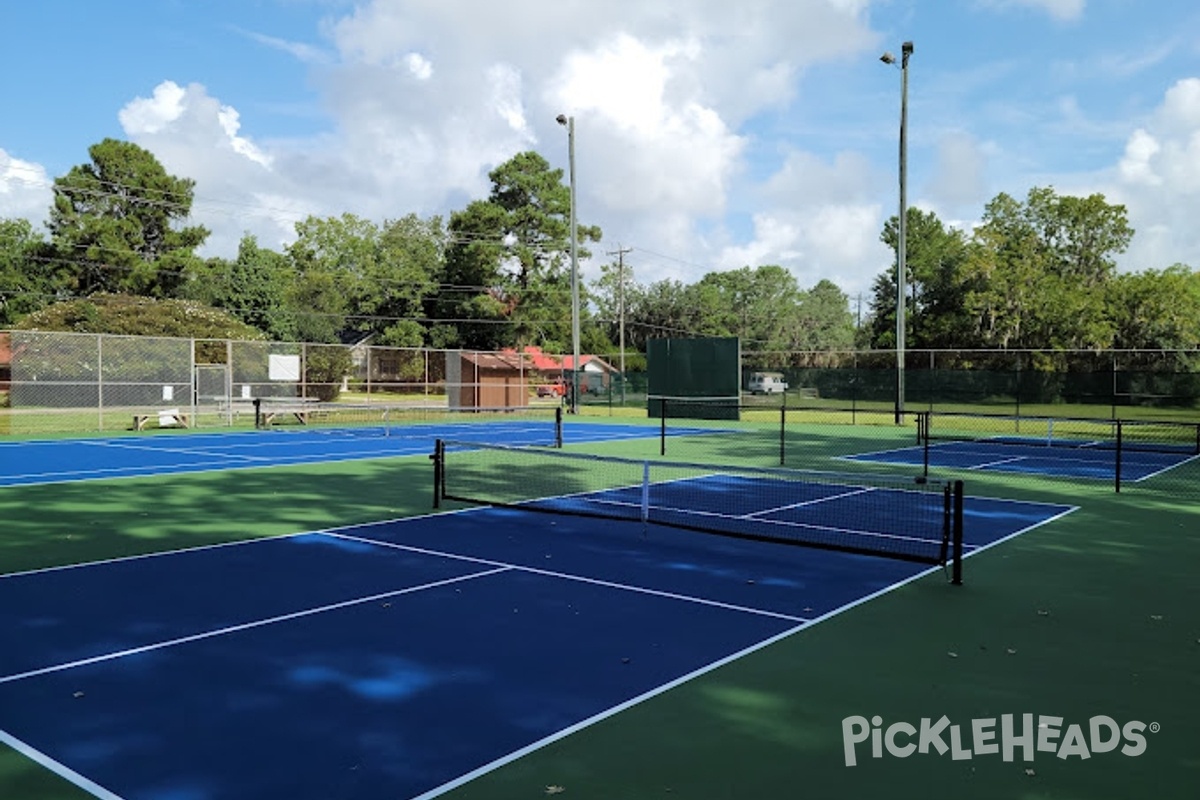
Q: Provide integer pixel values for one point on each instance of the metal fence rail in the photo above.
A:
(71, 382)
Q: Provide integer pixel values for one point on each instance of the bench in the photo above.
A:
(165, 418)
(302, 409)
(808, 393)
(300, 413)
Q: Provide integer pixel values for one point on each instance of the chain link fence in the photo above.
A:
(70, 382)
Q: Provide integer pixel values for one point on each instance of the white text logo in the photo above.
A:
(1007, 737)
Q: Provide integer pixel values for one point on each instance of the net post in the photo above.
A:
(258, 413)
(783, 435)
(1117, 458)
(439, 475)
(558, 427)
(957, 534)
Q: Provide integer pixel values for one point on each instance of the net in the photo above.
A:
(912, 519)
(716, 407)
(1133, 436)
(527, 425)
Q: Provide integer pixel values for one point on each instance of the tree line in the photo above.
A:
(1038, 273)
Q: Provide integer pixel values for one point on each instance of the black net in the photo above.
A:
(1149, 436)
(906, 518)
(526, 425)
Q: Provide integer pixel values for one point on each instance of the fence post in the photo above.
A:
(783, 434)
(1117, 460)
(100, 381)
(662, 434)
(923, 438)
(959, 495)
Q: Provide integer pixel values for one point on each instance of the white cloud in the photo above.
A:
(1135, 166)
(834, 242)
(150, 115)
(505, 82)
(305, 53)
(1062, 10)
(424, 99)
(24, 189)
(958, 177)
(419, 66)
(820, 221)
(194, 135)
(1158, 179)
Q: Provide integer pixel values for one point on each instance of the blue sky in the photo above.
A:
(709, 135)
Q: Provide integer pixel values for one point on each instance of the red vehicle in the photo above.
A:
(556, 389)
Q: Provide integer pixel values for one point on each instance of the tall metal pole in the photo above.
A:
(570, 123)
(620, 254)
(902, 246)
(621, 322)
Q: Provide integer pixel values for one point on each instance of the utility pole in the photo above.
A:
(620, 254)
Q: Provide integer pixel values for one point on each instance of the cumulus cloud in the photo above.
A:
(958, 177)
(237, 188)
(820, 221)
(421, 106)
(1158, 178)
(24, 189)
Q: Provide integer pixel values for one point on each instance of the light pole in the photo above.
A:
(562, 119)
(906, 50)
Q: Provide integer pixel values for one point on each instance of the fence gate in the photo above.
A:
(214, 388)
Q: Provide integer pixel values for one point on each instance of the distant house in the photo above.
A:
(595, 373)
(486, 380)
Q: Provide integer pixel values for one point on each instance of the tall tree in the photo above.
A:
(825, 321)
(254, 287)
(1156, 310)
(332, 257)
(760, 306)
(1003, 274)
(508, 261)
(1039, 274)
(935, 256)
(664, 308)
(411, 265)
(612, 294)
(26, 273)
(115, 224)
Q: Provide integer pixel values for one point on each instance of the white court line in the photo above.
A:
(104, 794)
(649, 695)
(996, 463)
(170, 470)
(187, 451)
(246, 626)
(576, 578)
(804, 503)
(236, 543)
(1156, 473)
(778, 522)
(59, 769)
(865, 456)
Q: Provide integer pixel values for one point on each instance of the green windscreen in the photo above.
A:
(703, 376)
